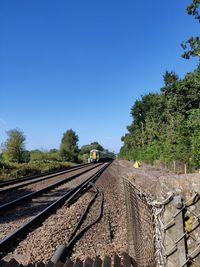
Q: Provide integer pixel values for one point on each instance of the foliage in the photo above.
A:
(166, 125)
(36, 155)
(69, 148)
(87, 148)
(8, 170)
(52, 154)
(170, 78)
(15, 161)
(193, 125)
(192, 45)
(192, 9)
(14, 147)
(26, 156)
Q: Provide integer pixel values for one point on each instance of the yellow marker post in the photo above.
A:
(136, 165)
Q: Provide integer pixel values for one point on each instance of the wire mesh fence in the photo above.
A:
(176, 166)
(140, 222)
(162, 234)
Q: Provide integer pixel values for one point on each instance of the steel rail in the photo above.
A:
(7, 243)
(14, 203)
(75, 237)
(64, 251)
(39, 180)
(11, 181)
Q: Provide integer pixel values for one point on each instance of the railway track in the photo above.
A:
(14, 203)
(68, 196)
(24, 181)
(20, 210)
(64, 251)
(24, 189)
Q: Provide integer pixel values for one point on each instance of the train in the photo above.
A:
(100, 156)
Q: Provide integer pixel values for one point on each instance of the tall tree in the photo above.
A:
(166, 125)
(192, 45)
(170, 78)
(14, 146)
(68, 147)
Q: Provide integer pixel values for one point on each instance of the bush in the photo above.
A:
(31, 168)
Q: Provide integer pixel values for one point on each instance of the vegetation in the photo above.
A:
(69, 148)
(31, 168)
(166, 125)
(192, 45)
(16, 161)
(51, 155)
(85, 150)
(14, 147)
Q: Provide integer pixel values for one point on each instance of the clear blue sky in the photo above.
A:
(82, 64)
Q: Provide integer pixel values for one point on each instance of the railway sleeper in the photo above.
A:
(6, 245)
(34, 180)
(12, 204)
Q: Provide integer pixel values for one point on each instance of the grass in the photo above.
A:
(14, 170)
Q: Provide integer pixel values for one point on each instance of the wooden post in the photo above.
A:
(180, 233)
(174, 165)
(185, 168)
(142, 133)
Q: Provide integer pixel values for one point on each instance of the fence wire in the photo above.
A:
(176, 166)
(162, 234)
(143, 221)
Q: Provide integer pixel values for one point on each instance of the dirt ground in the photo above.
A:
(160, 183)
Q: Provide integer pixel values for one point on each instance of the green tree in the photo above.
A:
(193, 9)
(36, 155)
(193, 125)
(192, 45)
(14, 147)
(53, 154)
(85, 149)
(1, 157)
(68, 147)
(26, 156)
(166, 125)
(39, 155)
(170, 78)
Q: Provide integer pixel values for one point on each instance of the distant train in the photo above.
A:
(100, 156)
